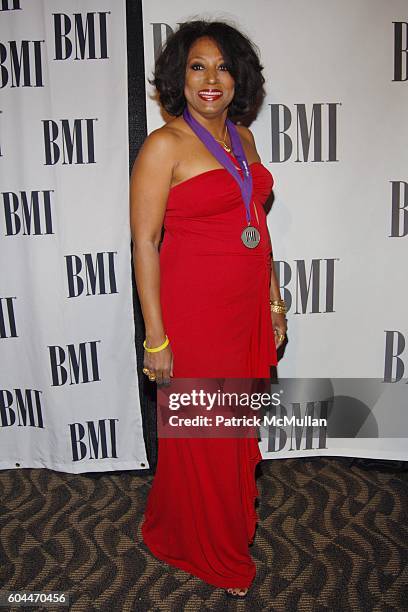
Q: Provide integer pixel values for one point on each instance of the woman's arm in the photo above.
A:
(274, 292)
(278, 319)
(149, 188)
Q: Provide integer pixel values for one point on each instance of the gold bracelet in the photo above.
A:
(278, 306)
(157, 348)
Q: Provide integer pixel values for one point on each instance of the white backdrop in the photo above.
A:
(68, 385)
(339, 222)
(68, 388)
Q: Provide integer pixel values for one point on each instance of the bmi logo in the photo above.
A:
(81, 37)
(309, 133)
(69, 141)
(8, 327)
(28, 213)
(309, 287)
(299, 437)
(400, 51)
(10, 5)
(21, 63)
(21, 408)
(74, 364)
(394, 364)
(399, 209)
(94, 439)
(93, 275)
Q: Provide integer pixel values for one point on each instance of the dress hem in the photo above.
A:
(222, 583)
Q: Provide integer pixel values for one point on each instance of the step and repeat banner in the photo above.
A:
(69, 397)
(333, 131)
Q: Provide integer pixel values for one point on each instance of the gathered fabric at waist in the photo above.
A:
(212, 237)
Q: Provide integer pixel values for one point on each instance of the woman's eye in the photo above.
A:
(200, 66)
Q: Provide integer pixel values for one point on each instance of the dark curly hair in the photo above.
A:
(239, 53)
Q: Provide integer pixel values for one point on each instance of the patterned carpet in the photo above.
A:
(332, 536)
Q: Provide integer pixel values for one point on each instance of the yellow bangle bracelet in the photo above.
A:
(157, 348)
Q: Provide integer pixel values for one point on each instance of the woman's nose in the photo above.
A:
(212, 76)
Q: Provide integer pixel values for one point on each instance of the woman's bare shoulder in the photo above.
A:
(160, 140)
(164, 141)
(160, 148)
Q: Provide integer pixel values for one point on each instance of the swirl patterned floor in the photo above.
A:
(332, 536)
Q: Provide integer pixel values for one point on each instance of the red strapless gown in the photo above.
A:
(200, 514)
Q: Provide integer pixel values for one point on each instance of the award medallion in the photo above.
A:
(250, 237)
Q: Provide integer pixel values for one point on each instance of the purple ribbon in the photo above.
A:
(245, 183)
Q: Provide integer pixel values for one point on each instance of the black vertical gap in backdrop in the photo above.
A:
(137, 135)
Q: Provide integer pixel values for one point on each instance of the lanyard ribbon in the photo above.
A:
(245, 182)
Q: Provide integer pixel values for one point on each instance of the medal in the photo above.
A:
(250, 236)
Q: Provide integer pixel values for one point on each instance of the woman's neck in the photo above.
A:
(215, 125)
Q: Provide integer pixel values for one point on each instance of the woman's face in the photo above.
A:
(209, 87)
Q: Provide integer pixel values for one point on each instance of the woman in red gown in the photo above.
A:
(208, 293)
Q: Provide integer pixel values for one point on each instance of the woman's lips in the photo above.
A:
(209, 95)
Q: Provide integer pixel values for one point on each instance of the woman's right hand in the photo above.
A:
(160, 364)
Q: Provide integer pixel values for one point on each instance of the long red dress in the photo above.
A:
(200, 514)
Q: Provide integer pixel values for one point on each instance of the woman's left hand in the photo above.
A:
(280, 326)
